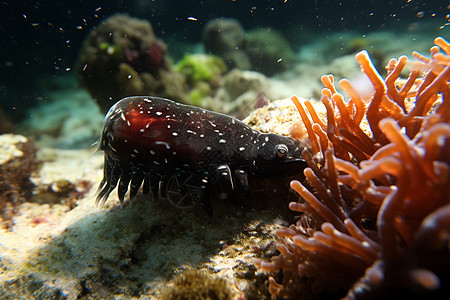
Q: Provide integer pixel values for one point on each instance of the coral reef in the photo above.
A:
(376, 209)
(262, 50)
(225, 38)
(201, 67)
(268, 50)
(123, 57)
(17, 163)
(203, 73)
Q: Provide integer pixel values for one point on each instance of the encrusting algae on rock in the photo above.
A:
(376, 205)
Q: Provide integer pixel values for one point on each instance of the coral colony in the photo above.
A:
(375, 208)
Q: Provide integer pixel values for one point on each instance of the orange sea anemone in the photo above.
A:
(375, 208)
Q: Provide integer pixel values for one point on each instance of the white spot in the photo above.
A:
(158, 113)
(220, 133)
(148, 124)
(142, 130)
(126, 141)
(135, 151)
(263, 144)
(147, 100)
(266, 139)
(202, 135)
(128, 123)
(203, 111)
(241, 136)
(156, 163)
(222, 141)
(174, 153)
(152, 152)
(174, 133)
(212, 124)
(165, 160)
(190, 131)
(132, 155)
(123, 117)
(241, 148)
(208, 148)
(163, 143)
(168, 126)
(233, 121)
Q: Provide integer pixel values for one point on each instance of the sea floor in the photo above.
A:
(71, 248)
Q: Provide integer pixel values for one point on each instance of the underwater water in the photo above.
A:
(64, 64)
(42, 41)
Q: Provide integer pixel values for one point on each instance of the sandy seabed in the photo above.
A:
(71, 248)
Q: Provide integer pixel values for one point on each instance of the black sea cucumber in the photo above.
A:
(179, 150)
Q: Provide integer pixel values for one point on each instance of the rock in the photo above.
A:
(239, 92)
(225, 38)
(269, 51)
(262, 50)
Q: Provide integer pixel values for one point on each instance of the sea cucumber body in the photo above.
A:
(153, 139)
